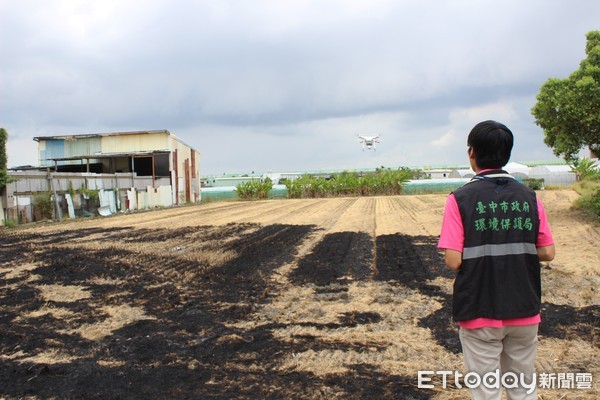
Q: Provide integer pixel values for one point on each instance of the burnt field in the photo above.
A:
(315, 299)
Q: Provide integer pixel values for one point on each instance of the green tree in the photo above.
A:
(567, 109)
(3, 158)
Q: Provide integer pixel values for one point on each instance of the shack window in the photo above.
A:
(161, 165)
(142, 166)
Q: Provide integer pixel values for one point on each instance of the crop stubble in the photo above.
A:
(317, 298)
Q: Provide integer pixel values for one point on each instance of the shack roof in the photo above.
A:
(111, 155)
(97, 135)
(92, 135)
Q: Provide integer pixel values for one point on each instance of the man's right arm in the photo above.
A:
(545, 242)
(452, 234)
(453, 259)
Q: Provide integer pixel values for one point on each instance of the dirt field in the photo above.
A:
(285, 299)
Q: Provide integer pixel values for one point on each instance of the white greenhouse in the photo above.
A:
(462, 173)
(517, 170)
(560, 175)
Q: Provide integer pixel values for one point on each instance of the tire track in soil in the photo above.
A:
(301, 212)
(139, 218)
(332, 217)
(189, 210)
(241, 213)
(252, 212)
(80, 228)
(400, 215)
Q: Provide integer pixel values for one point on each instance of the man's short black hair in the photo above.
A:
(492, 143)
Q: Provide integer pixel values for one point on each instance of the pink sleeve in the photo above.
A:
(545, 236)
(453, 234)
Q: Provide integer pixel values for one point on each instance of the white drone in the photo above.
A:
(368, 142)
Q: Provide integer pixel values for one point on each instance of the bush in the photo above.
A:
(533, 183)
(294, 188)
(71, 189)
(589, 189)
(595, 203)
(585, 168)
(254, 189)
(10, 223)
(382, 182)
(43, 202)
(91, 194)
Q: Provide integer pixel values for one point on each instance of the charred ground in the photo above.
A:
(190, 342)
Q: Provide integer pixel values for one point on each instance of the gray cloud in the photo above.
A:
(270, 85)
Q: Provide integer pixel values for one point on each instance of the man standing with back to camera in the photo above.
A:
(494, 234)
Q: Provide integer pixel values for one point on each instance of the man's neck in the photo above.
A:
(480, 171)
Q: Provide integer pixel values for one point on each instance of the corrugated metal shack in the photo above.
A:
(126, 170)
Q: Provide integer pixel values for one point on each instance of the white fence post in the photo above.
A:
(1, 211)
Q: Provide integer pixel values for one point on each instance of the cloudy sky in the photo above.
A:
(286, 85)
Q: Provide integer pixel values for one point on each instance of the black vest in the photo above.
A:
(500, 273)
